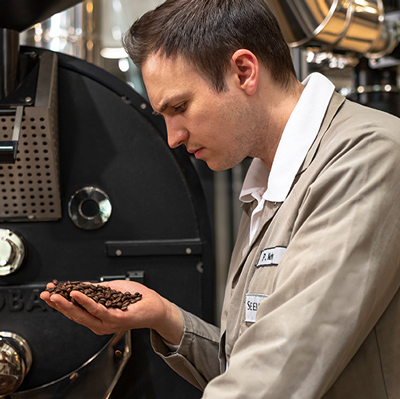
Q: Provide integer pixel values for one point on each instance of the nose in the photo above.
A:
(177, 135)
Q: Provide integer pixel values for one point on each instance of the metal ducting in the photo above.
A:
(342, 25)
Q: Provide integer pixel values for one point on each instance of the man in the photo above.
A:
(312, 303)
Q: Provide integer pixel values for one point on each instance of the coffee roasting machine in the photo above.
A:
(90, 191)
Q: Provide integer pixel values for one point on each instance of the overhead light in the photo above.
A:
(123, 65)
(113, 53)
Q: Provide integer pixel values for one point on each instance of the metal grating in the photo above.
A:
(29, 188)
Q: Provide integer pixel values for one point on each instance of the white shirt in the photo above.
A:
(300, 132)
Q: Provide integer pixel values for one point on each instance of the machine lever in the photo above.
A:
(8, 148)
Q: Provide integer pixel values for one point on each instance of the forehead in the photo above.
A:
(169, 77)
(159, 67)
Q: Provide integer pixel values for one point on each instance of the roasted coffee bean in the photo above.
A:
(106, 296)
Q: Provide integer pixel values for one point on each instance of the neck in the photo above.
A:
(278, 106)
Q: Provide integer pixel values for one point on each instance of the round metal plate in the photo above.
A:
(89, 208)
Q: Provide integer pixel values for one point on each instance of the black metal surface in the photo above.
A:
(20, 15)
(154, 247)
(109, 138)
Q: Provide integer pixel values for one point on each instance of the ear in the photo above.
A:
(246, 68)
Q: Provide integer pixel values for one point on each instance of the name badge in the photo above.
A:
(271, 256)
(252, 303)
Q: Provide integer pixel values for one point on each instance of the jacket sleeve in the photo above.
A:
(339, 273)
(196, 358)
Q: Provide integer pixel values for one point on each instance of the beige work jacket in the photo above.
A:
(328, 324)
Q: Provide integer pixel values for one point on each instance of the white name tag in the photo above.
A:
(271, 256)
(252, 303)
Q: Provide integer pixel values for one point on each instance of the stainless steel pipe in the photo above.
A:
(349, 25)
(9, 52)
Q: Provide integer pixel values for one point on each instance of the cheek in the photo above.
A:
(215, 120)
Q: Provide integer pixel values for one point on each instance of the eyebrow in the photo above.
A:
(165, 104)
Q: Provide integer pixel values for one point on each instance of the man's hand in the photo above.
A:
(152, 311)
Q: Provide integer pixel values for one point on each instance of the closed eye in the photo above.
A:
(180, 108)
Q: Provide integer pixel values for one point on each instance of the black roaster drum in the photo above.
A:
(129, 208)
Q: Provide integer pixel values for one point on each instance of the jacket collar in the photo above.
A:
(336, 102)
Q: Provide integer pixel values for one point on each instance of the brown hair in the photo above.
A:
(207, 32)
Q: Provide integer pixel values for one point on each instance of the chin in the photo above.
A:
(219, 167)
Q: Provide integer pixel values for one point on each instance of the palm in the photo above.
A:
(142, 314)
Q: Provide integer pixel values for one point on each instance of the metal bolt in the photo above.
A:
(188, 251)
(28, 99)
(118, 252)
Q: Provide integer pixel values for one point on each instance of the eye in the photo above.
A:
(180, 108)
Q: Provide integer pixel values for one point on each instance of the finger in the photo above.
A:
(87, 303)
(45, 296)
(76, 313)
(60, 303)
(105, 315)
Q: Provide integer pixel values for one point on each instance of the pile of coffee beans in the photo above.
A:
(106, 296)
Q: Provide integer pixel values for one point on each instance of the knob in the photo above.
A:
(12, 252)
(15, 362)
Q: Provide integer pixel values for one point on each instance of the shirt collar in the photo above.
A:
(299, 134)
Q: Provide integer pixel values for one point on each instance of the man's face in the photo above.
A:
(218, 128)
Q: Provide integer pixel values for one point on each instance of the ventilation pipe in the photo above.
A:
(357, 26)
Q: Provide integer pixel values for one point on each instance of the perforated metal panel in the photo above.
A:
(29, 189)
